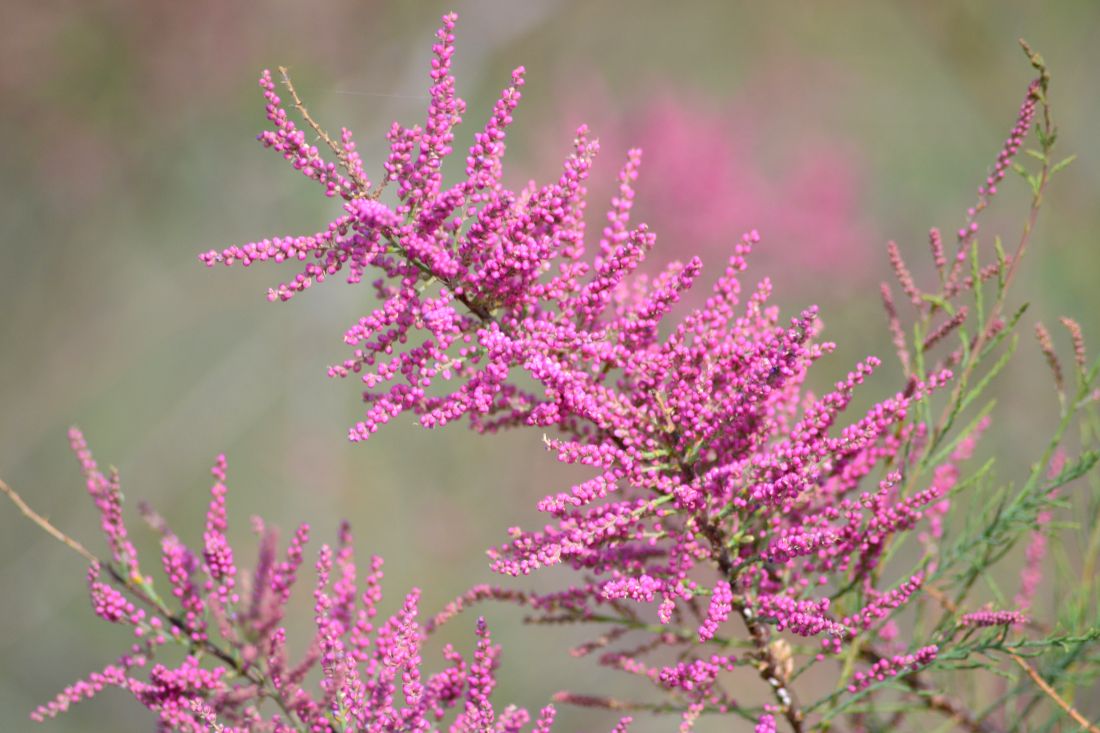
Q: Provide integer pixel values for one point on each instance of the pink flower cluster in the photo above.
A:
(892, 667)
(237, 674)
(732, 521)
(706, 177)
(716, 472)
(993, 618)
(1011, 147)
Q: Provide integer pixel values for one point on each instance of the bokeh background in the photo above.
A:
(127, 146)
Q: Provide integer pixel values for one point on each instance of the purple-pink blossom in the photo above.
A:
(716, 475)
(235, 659)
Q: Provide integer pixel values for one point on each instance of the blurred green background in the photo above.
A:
(127, 133)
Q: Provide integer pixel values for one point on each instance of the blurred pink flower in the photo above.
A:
(808, 205)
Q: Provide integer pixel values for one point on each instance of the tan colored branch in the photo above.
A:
(1053, 694)
(336, 147)
(46, 525)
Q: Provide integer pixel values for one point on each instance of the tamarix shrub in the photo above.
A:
(749, 548)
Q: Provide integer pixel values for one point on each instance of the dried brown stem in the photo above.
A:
(1050, 692)
(45, 524)
(337, 148)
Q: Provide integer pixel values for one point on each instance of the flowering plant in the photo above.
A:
(735, 525)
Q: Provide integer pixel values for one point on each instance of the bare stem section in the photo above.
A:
(46, 525)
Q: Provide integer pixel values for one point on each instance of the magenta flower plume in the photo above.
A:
(892, 667)
(236, 673)
(732, 523)
(718, 478)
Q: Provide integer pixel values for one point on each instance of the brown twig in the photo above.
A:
(1053, 694)
(337, 148)
(45, 524)
(940, 597)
